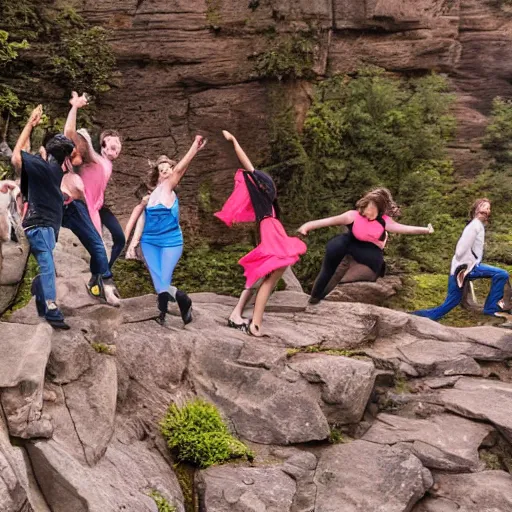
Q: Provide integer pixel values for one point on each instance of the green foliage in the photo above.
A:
(102, 348)
(65, 53)
(85, 60)
(337, 436)
(9, 51)
(361, 132)
(498, 136)
(197, 433)
(162, 504)
(402, 387)
(287, 56)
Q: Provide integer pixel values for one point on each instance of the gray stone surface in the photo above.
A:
(446, 442)
(362, 476)
(489, 491)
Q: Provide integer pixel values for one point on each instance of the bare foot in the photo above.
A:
(254, 330)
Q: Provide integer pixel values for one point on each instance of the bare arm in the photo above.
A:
(395, 227)
(70, 126)
(339, 220)
(240, 153)
(136, 212)
(182, 165)
(24, 138)
(131, 253)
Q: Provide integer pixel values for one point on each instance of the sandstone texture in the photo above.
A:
(185, 67)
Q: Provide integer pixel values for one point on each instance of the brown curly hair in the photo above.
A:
(382, 199)
(476, 205)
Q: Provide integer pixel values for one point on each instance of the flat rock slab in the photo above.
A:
(482, 399)
(445, 442)
(241, 489)
(367, 292)
(489, 491)
(362, 477)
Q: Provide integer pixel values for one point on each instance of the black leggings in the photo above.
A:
(336, 249)
(109, 220)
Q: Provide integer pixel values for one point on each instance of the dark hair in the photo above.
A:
(476, 205)
(48, 137)
(60, 147)
(382, 199)
(109, 133)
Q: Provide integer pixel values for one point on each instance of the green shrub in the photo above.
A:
(498, 135)
(162, 504)
(287, 57)
(197, 433)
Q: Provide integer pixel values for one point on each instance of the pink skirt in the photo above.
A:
(276, 250)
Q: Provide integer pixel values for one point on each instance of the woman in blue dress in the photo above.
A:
(161, 239)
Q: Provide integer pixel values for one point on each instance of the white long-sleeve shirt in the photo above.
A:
(470, 247)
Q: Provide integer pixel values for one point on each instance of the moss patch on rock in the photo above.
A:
(198, 435)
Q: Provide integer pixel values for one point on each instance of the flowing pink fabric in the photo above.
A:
(238, 207)
(276, 249)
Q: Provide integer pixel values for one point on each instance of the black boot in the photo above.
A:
(185, 305)
(163, 301)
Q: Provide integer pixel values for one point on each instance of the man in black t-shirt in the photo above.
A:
(40, 186)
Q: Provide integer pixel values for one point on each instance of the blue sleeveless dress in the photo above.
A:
(162, 226)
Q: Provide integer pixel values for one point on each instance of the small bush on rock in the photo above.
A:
(198, 434)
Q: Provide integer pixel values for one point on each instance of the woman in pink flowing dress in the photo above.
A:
(254, 199)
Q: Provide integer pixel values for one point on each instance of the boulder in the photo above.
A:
(489, 491)
(366, 292)
(446, 442)
(481, 399)
(346, 384)
(25, 351)
(241, 489)
(362, 476)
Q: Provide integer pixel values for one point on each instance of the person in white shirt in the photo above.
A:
(467, 264)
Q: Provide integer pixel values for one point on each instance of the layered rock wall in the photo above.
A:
(189, 66)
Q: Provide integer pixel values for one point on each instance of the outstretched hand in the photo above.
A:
(35, 116)
(78, 101)
(303, 230)
(430, 229)
(200, 142)
(228, 136)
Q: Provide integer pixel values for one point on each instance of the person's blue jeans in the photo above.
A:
(499, 278)
(42, 244)
(109, 220)
(77, 219)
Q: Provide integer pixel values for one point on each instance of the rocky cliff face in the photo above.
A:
(424, 409)
(189, 66)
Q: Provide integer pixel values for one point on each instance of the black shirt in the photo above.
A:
(40, 186)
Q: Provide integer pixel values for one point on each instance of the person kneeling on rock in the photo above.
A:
(467, 265)
(40, 186)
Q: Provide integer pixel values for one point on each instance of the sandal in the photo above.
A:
(241, 327)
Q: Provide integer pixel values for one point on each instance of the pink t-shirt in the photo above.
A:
(95, 177)
(368, 230)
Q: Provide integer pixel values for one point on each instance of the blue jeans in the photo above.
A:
(161, 262)
(77, 219)
(499, 279)
(42, 244)
(109, 220)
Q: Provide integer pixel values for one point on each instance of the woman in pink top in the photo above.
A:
(368, 226)
(95, 172)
